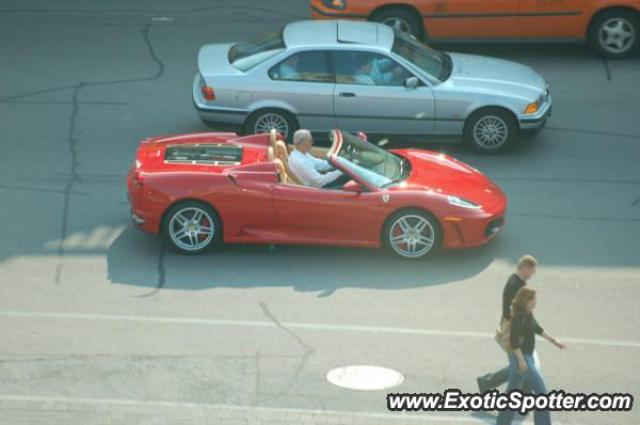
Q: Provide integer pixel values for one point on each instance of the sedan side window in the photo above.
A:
(304, 66)
(367, 68)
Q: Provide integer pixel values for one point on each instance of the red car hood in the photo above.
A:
(444, 174)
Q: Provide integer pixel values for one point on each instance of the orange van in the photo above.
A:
(611, 27)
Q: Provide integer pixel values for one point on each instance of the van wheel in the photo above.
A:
(615, 34)
(402, 20)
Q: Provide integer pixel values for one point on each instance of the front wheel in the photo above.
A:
(412, 234)
(191, 227)
(615, 34)
(490, 130)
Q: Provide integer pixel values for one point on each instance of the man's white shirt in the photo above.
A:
(307, 169)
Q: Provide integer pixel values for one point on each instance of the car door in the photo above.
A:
(459, 19)
(303, 82)
(370, 95)
(317, 215)
(551, 18)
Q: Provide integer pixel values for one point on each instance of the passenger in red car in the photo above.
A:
(307, 168)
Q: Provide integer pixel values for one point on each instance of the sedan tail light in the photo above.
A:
(208, 93)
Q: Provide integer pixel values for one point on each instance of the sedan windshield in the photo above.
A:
(435, 63)
(245, 56)
(371, 163)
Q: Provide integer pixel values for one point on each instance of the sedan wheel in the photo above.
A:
(192, 227)
(490, 130)
(412, 234)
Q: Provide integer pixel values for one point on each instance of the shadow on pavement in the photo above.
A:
(139, 259)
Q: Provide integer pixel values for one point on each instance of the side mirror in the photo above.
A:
(353, 187)
(362, 135)
(411, 83)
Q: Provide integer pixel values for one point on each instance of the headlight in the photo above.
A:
(335, 4)
(531, 108)
(459, 202)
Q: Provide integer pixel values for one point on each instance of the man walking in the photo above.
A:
(525, 270)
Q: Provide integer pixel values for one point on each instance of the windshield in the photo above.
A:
(435, 63)
(371, 163)
(245, 56)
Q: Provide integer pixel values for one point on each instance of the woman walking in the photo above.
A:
(522, 367)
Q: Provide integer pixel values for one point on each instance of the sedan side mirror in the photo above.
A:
(411, 83)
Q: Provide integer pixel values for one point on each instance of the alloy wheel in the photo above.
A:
(191, 228)
(411, 236)
(616, 35)
(490, 132)
(398, 24)
(265, 123)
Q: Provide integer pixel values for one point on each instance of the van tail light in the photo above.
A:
(208, 93)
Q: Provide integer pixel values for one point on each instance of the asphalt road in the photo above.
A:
(99, 323)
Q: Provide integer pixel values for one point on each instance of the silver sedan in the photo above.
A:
(364, 76)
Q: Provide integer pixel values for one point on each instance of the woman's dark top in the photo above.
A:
(523, 329)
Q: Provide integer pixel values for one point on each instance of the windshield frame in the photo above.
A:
(341, 139)
(446, 62)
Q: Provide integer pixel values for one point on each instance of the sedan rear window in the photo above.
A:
(245, 56)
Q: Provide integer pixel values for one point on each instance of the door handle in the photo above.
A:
(346, 94)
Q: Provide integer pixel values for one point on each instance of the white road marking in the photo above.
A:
(296, 325)
(256, 410)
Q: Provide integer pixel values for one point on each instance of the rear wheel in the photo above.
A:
(490, 130)
(615, 34)
(401, 20)
(191, 227)
(412, 234)
(264, 120)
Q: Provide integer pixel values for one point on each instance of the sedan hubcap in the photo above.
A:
(490, 132)
(411, 236)
(191, 228)
(398, 24)
(617, 35)
(270, 121)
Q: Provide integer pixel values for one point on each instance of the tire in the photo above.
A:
(491, 130)
(393, 229)
(191, 242)
(607, 34)
(401, 19)
(284, 122)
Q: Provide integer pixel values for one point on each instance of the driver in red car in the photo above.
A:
(312, 171)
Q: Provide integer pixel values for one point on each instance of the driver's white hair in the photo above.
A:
(300, 136)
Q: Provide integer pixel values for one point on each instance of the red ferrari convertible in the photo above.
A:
(199, 190)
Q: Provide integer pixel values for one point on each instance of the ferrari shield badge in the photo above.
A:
(385, 198)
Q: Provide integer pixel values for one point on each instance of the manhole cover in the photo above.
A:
(365, 378)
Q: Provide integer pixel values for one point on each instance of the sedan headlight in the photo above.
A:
(335, 4)
(459, 202)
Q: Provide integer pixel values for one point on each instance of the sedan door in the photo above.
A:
(370, 96)
(331, 216)
(304, 83)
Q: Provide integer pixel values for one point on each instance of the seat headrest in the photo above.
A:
(270, 156)
(281, 150)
